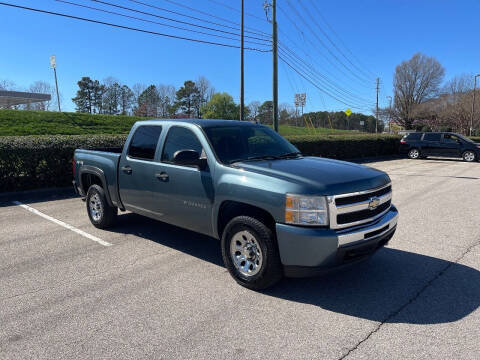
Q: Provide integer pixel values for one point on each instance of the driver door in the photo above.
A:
(185, 191)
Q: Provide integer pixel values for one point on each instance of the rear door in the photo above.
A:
(451, 145)
(137, 169)
(431, 144)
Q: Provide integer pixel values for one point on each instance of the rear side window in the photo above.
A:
(432, 137)
(144, 142)
(180, 138)
(414, 136)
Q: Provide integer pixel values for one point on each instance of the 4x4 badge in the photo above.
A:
(374, 202)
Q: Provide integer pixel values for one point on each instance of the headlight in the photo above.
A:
(306, 210)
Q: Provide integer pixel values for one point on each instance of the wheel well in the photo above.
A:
(230, 209)
(89, 180)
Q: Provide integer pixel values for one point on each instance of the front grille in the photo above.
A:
(363, 197)
(353, 209)
(362, 214)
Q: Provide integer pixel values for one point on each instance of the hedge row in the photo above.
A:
(33, 162)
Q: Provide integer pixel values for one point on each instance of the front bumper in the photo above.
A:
(311, 251)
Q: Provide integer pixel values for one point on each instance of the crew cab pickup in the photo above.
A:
(275, 211)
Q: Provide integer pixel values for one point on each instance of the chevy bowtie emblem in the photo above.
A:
(373, 203)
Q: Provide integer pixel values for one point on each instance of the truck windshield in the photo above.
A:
(241, 143)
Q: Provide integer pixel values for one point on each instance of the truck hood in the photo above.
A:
(320, 175)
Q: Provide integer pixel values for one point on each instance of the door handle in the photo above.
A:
(127, 169)
(162, 176)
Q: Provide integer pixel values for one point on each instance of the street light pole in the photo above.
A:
(473, 104)
(242, 77)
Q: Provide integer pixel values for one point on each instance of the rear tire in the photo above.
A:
(414, 153)
(469, 156)
(250, 253)
(101, 214)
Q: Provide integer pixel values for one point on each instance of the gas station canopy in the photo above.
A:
(11, 98)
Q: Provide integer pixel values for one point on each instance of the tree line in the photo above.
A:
(423, 101)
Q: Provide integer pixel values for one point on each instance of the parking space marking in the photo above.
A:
(61, 223)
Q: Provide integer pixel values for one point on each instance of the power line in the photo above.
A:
(340, 39)
(256, 31)
(311, 68)
(174, 20)
(338, 93)
(180, 14)
(322, 43)
(128, 27)
(314, 47)
(234, 9)
(153, 22)
(315, 85)
(330, 40)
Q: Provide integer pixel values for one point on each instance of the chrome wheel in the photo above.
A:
(414, 154)
(246, 253)
(468, 156)
(96, 208)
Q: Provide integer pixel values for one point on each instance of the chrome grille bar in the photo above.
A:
(353, 207)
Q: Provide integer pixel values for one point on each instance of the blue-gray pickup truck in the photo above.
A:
(275, 211)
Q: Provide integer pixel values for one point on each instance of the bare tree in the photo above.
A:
(253, 107)
(7, 85)
(167, 99)
(138, 89)
(416, 81)
(42, 87)
(205, 91)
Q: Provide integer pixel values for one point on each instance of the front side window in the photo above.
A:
(451, 139)
(144, 142)
(432, 137)
(180, 138)
(236, 143)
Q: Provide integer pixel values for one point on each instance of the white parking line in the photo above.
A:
(61, 223)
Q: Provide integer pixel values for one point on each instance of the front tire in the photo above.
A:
(414, 153)
(250, 253)
(469, 156)
(101, 214)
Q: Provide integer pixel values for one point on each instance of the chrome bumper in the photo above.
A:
(366, 233)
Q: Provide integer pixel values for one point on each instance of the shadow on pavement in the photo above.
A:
(372, 290)
(36, 196)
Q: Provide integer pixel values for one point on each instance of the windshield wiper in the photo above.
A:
(295, 154)
(254, 158)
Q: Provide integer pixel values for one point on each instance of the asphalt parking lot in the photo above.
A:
(148, 290)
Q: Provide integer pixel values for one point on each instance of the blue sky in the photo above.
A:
(374, 36)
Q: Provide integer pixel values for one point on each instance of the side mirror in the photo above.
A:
(189, 158)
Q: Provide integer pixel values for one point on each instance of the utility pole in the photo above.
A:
(275, 65)
(53, 64)
(376, 117)
(390, 114)
(473, 104)
(242, 77)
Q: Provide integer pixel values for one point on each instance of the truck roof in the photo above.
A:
(203, 123)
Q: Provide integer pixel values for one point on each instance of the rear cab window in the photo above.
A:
(144, 142)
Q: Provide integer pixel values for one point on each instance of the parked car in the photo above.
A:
(420, 145)
(275, 211)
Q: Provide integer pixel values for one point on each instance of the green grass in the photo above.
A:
(23, 122)
(297, 130)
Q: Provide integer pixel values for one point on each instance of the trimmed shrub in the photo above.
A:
(347, 146)
(33, 162)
